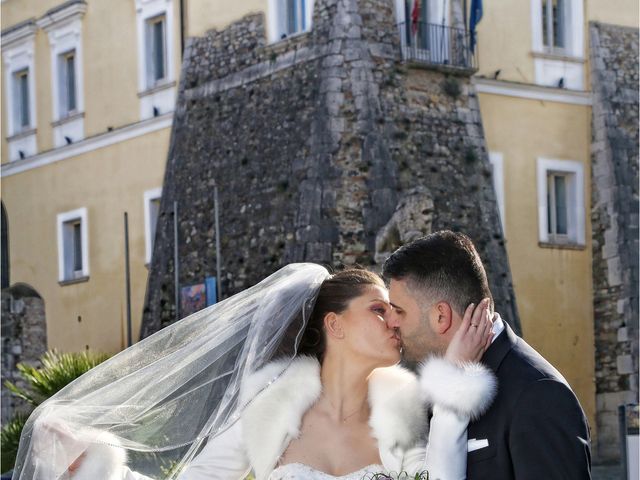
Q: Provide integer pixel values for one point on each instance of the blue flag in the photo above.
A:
(474, 19)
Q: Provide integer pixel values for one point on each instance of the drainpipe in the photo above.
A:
(182, 26)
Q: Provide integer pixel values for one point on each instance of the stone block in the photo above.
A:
(331, 84)
(621, 306)
(623, 334)
(614, 272)
(333, 61)
(319, 252)
(610, 250)
(354, 32)
(624, 364)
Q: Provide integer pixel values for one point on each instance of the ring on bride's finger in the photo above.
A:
(474, 326)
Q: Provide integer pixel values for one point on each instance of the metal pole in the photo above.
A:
(622, 428)
(218, 259)
(128, 277)
(182, 27)
(464, 17)
(175, 259)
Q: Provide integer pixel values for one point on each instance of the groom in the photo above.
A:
(535, 429)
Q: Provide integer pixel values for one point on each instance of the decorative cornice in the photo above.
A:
(18, 32)
(531, 92)
(87, 145)
(68, 11)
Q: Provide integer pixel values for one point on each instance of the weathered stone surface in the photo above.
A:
(614, 218)
(314, 142)
(24, 340)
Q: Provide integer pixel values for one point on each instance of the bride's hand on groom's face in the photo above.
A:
(474, 335)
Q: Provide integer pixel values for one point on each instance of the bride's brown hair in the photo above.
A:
(334, 295)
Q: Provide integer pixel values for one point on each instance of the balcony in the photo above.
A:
(438, 46)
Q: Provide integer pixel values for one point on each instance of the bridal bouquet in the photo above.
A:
(424, 475)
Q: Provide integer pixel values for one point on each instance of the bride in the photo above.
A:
(295, 378)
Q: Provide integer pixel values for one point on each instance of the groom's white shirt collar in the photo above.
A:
(498, 326)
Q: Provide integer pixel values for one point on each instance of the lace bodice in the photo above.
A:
(299, 471)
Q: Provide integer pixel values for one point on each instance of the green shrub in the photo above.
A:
(10, 438)
(57, 371)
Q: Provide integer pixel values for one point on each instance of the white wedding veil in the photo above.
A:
(163, 397)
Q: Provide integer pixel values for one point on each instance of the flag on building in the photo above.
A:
(415, 16)
(474, 19)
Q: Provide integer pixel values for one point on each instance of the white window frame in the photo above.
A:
(149, 39)
(64, 30)
(18, 112)
(149, 197)
(497, 173)
(564, 12)
(63, 82)
(575, 200)
(277, 21)
(147, 10)
(18, 54)
(65, 252)
(156, 97)
(574, 29)
(553, 64)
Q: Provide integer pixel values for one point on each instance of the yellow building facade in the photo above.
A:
(70, 174)
(91, 160)
(535, 102)
(87, 106)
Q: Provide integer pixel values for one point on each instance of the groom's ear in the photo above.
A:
(442, 319)
(333, 325)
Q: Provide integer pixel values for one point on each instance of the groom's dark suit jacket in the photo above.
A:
(535, 427)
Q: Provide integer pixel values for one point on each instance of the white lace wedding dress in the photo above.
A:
(299, 471)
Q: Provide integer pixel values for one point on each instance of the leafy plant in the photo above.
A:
(57, 371)
(10, 439)
(451, 87)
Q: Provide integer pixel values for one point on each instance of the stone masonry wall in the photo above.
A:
(614, 216)
(326, 147)
(24, 339)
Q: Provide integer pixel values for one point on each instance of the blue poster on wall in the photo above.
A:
(212, 290)
(192, 299)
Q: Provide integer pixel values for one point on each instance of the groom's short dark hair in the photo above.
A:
(443, 264)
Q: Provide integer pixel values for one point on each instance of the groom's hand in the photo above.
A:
(474, 335)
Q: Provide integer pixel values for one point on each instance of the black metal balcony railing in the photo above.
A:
(434, 44)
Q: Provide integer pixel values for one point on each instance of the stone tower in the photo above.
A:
(614, 219)
(332, 146)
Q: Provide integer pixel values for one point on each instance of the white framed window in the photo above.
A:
(554, 25)
(151, 212)
(497, 169)
(73, 245)
(289, 17)
(156, 47)
(64, 30)
(558, 43)
(67, 82)
(18, 55)
(21, 103)
(561, 206)
(156, 50)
